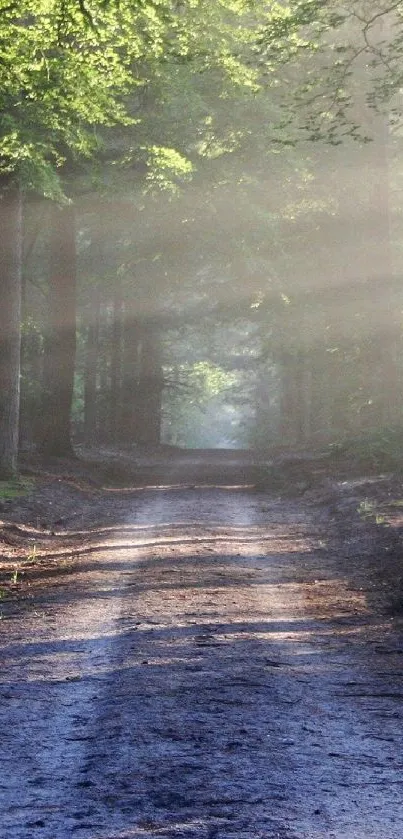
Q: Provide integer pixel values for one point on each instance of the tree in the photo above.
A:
(71, 67)
(10, 316)
(60, 338)
(202, 90)
(57, 82)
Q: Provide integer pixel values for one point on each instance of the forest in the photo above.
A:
(201, 433)
(200, 224)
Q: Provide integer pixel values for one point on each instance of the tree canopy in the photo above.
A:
(70, 68)
(229, 167)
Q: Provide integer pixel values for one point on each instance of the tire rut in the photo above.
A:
(217, 678)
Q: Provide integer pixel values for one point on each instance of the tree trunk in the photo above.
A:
(10, 326)
(372, 262)
(286, 401)
(103, 373)
(130, 377)
(31, 379)
(60, 342)
(151, 385)
(116, 361)
(295, 400)
(386, 303)
(90, 367)
(321, 395)
(267, 408)
(305, 400)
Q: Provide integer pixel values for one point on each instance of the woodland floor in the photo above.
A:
(187, 651)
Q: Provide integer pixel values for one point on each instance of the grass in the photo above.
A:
(15, 487)
(9, 490)
(32, 555)
(369, 511)
(5, 592)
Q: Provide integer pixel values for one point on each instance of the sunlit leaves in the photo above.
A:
(69, 66)
(205, 380)
(60, 79)
(166, 167)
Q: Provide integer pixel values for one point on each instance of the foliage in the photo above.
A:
(15, 488)
(199, 408)
(212, 103)
(60, 78)
(71, 67)
(337, 60)
(380, 449)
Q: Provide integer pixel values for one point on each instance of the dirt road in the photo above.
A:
(210, 670)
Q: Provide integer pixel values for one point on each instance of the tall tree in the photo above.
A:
(10, 315)
(72, 67)
(60, 340)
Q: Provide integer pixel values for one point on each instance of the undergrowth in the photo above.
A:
(15, 487)
(378, 450)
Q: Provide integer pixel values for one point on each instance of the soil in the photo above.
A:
(190, 648)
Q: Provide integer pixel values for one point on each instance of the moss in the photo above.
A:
(15, 487)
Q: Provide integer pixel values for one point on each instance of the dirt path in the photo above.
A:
(215, 672)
